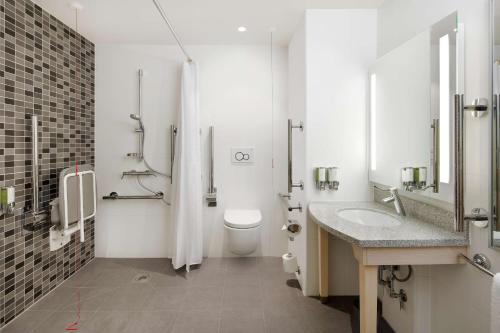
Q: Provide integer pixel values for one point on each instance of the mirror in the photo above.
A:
(495, 198)
(411, 112)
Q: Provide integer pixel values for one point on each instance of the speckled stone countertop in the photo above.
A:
(410, 233)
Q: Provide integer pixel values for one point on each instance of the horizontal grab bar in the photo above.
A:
(115, 196)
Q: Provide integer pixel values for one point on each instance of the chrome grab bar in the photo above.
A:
(35, 166)
(477, 214)
(140, 131)
(35, 173)
(435, 155)
(211, 196)
(291, 184)
(115, 196)
(458, 222)
(480, 262)
(173, 136)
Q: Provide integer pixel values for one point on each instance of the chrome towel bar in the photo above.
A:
(480, 262)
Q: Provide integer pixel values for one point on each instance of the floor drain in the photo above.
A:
(141, 278)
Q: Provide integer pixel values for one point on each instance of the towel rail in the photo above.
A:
(480, 262)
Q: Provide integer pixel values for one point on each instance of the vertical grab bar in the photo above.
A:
(459, 164)
(173, 135)
(211, 196)
(35, 173)
(35, 166)
(291, 184)
(435, 155)
(141, 130)
(211, 161)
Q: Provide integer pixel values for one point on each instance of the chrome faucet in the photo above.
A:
(398, 204)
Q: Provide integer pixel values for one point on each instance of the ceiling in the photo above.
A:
(195, 21)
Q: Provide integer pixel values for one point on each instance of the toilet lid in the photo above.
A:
(242, 218)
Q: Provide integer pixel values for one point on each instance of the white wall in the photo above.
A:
(339, 48)
(460, 294)
(235, 88)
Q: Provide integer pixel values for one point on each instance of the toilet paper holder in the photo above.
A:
(293, 228)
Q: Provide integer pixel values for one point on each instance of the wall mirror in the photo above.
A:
(411, 113)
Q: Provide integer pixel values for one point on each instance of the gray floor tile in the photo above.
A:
(108, 322)
(200, 298)
(242, 321)
(58, 321)
(242, 279)
(221, 295)
(205, 321)
(152, 322)
(167, 298)
(250, 265)
(129, 298)
(287, 317)
(242, 297)
(209, 277)
(170, 279)
(27, 322)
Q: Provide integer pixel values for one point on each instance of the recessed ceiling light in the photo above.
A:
(242, 29)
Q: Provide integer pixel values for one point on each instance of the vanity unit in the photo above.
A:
(379, 237)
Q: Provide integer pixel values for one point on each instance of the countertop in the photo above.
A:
(410, 233)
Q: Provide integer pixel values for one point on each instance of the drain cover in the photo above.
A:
(141, 278)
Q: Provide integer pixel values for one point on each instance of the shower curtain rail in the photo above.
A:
(171, 28)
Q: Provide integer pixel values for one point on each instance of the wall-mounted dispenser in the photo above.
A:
(326, 178)
(414, 178)
(7, 200)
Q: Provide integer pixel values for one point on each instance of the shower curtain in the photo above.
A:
(187, 194)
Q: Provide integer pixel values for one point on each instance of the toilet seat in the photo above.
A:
(242, 218)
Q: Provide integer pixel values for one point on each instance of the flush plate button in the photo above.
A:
(241, 155)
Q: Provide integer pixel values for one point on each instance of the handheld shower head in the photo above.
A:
(135, 116)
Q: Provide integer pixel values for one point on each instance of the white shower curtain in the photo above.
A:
(187, 182)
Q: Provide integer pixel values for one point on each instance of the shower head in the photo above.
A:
(135, 116)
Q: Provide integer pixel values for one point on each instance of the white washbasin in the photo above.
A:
(368, 217)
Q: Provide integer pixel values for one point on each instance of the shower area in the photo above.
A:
(148, 99)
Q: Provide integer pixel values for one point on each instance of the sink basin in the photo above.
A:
(368, 217)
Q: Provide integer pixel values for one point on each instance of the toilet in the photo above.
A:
(243, 230)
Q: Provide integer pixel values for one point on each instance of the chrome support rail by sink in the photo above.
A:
(480, 261)
(458, 222)
(459, 215)
(115, 196)
(435, 156)
(291, 184)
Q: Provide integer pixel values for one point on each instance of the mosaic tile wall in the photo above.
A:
(45, 69)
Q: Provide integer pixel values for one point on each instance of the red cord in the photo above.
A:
(74, 326)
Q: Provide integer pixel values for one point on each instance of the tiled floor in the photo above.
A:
(146, 295)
